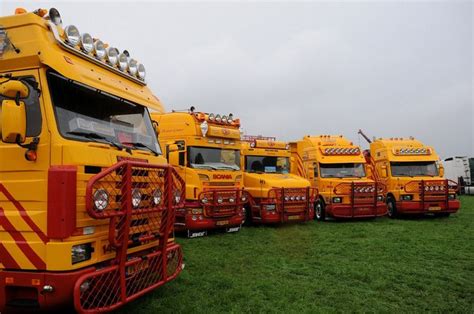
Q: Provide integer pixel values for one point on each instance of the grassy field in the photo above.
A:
(384, 265)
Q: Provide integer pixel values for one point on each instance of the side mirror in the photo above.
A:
(13, 121)
(384, 172)
(173, 158)
(441, 170)
(13, 112)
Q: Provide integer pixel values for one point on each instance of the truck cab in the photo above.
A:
(86, 198)
(277, 196)
(337, 168)
(413, 176)
(205, 150)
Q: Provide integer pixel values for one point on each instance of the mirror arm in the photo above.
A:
(33, 145)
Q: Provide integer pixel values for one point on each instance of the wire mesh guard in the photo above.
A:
(220, 203)
(292, 200)
(140, 201)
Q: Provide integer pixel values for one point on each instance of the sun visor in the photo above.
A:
(77, 69)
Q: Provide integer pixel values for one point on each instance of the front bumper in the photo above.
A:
(418, 207)
(357, 211)
(200, 222)
(52, 291)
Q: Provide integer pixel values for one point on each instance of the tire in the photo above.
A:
(247, 216)
(391, 208)
(319, 211)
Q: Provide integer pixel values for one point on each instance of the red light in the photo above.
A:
(31, 155)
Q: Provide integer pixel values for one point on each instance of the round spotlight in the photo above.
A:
(231, 118)
(87, 43)
(141, 73)
(133, 67)
(72, 35)
(218, 118)
(136, 198)
(112, 55)
(123, 62)
(220, 200)
(212, 117)
(101, 199)
(99, 50)
(157, 195)
(54, 16)
(224, 119)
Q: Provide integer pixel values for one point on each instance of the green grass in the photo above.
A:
(383, 265)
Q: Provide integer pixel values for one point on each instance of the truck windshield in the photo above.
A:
(414, 169)
(267, 164)
(345, 170)
(87, 114)
(213, 158)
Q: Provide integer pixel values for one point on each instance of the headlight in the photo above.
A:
(122, 62)
(220, 200)
(380, 198)
(136, 198)
(72, 35)
(406, 197)
(243, 198)
(337, 199)
(101, 199)
(157, 194)
(132, 67)
(112, 55)
(99, 50)
(141, 73)
(452, 196)
(87, 43)
(81, 253)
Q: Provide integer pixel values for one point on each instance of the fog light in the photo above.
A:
(81, 253)
(337, 199)
(452, 196)
(380, 198)
(244, 199)
(406, 197)
(101, 199)
(220, 200)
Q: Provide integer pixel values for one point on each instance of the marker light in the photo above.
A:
(87, 43)
(122, 62)
(99, 50)
(204, 128)
(112, 55)
(72, 35)
(132, 67)
(141, 73)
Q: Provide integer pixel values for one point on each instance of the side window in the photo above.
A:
(181, 158)
(32, 106)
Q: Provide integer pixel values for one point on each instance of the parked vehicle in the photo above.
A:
(337, 168)
(205, 150)
(413, 176)
(277, 196)
(459, 169)
(87, 201)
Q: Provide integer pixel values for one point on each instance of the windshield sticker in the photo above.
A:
(270, 169)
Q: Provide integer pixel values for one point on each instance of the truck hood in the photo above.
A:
(273, 180)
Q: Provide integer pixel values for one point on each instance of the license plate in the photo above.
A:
(234, 229)
(293, 217)
(434, 208)
(196, 234)
(222, 223)
(132, 269)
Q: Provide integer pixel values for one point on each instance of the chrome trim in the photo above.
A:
(81, 54)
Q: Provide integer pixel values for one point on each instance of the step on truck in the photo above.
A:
(277, 196)
(413, 176)
(337, 168)
(205, 150)
(87, 201)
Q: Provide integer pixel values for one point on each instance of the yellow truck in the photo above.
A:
(337, 168)
(205, 150)
(277, 196)
(413, 177)
(87, 200)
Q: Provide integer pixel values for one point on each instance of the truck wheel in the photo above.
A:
(319, 211)
(247, 216)
(391, 208)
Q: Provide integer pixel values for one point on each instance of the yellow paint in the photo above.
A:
(27, 181)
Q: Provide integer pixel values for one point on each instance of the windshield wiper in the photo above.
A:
(94, 136)
(226, 167)
(138, 144)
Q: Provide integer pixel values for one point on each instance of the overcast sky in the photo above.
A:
(289, 69)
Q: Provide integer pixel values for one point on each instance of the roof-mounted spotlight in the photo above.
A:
(54, 16)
